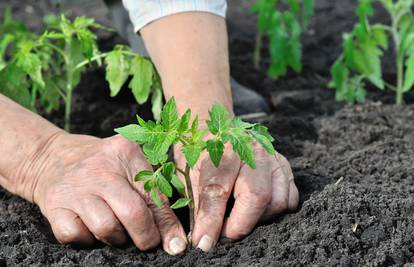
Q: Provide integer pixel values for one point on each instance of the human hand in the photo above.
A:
(85, 189)
(259, 194)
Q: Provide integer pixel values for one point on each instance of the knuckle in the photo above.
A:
(68, 235)
(166, 220)
(259, 197)
(279, 206)
(149, 241)
(216, 191)
(239, 233)
(106, 227)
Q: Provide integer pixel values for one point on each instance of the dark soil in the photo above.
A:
(354, 166)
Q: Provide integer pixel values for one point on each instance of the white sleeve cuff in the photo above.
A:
(142, 12)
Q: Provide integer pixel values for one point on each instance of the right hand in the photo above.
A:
(84, 187)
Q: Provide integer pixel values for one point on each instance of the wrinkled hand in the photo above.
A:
(259, 194)
(86, 192)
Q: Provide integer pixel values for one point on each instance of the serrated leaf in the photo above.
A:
(133, 133)
(215, 149)
(143, 175)
(142, 72)
(242, 145)
(192, 153)
(219, 119)
(14, 85)
(264, 140)
(149, 185)
(181, 203)
(185, 120)
(164, 186)
(169, 115)
(156, 198)
(409, 74)
(178, 185)
(238, 123)
(168, 170)
(117, 70)
(31, 64)
(194, 126)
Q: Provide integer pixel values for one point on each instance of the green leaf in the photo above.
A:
(143, 175)
(263, 139)
(238, 123)
(169, 115)
(179, 186)
(242, 145)
(216, 149)
(194, 126)
(156, 198)
(219, 119)
(117, 70)
(185, 120)
(31, 64)
(168, 170)
(142, 72)
(14, 85)
(409, 74)
(133, 133)
(192, 153)
(164, 186)
(181, 203)
(149, 185)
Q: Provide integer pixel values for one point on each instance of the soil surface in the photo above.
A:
(354, 166)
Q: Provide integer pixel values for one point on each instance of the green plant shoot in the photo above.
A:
(157, 137)
(363, 48)
(282, 23)
(50, 66)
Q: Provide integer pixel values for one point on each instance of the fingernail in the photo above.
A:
(205, 244)
(177, 245)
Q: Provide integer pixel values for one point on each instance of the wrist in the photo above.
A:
(35, 166)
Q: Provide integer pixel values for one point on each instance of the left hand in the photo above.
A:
(259, 194)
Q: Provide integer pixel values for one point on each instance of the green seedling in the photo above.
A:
(157, 137)
(364, 47)
(282, 23)
(49, 66)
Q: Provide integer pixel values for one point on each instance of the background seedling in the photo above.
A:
(282, 23)
(50, 65)
(157, 137)
(364, 47)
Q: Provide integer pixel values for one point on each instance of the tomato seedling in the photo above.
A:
(50, 65)
(364, 47)
(282, 23)
(157, 137)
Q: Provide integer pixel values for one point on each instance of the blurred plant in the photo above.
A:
(282, 23)
(364, 47)
(49, 66)
(157, 138)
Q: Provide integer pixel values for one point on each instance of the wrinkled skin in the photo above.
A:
(86, 192)
(259, 194)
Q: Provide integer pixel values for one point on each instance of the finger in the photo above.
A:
(134, 215)
(68, 228)
(174, 240)
(280, 194)
(215, 186)
(101, 221)
(285, 195)
(252, 194)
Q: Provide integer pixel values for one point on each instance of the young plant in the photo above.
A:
(363, 48)
(157, 137)
(282, 23)
(50, 66)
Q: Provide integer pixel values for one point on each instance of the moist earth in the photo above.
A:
(353, 165)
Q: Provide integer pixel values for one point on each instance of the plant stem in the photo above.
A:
(257, 50)
(399, 60)
(190, 196)
(69, 87)
(34, 94)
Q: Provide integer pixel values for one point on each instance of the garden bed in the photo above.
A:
(354, 167)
